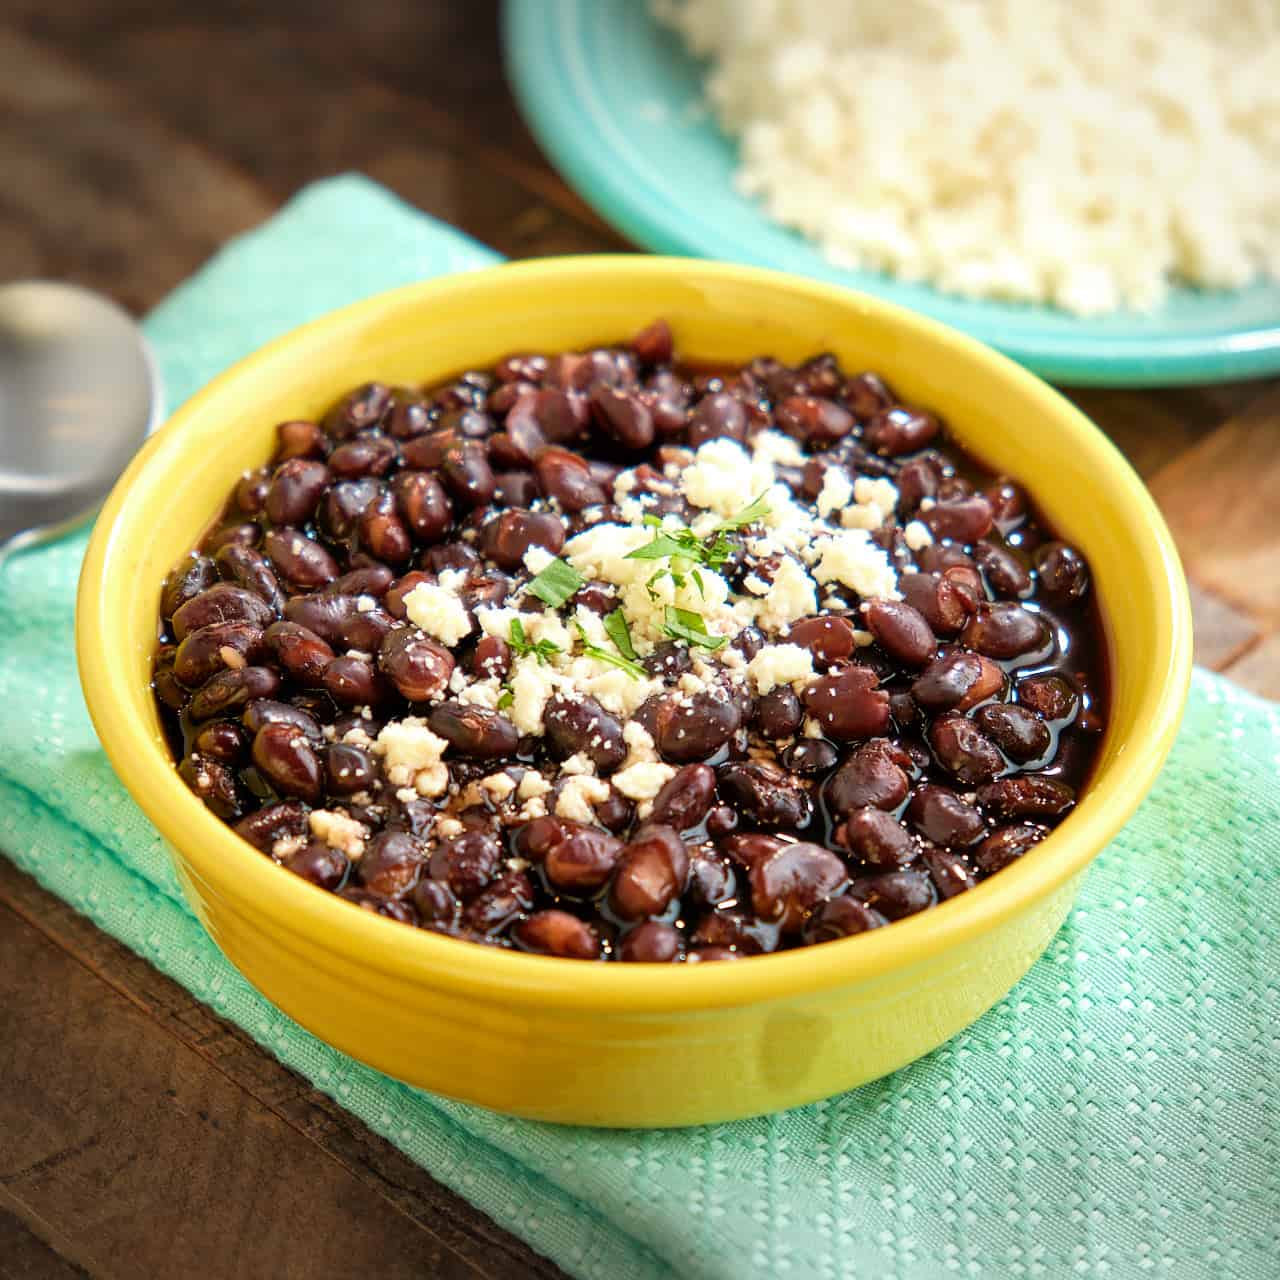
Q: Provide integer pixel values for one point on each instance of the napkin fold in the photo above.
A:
(1117, 1114)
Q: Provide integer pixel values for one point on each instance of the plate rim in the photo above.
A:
(529, 47)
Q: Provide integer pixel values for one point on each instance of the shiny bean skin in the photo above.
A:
(1017, 731)
(778, 713)
(650, 943)
(418, 666)
(392, 863)
(211, 649)
(221, 603)
(474, 732)
(945, 818)
(685, 798)
(352, 682)
(789, 883)
(423, 505)
(694, 727)
(842, 917)
(363, 408)
(956, 680)
(1006, 574)
(895, 894)
(288, 760)
(557, 933)
(1029, 795)
(716, 417)
(900, 430)
(581, 724)
(319, 865)
(1062, 572)
(505, 900)
(195, 574)
(367, 455)
(1048, 696)
(348, 769)
(566, 477)
(299, 439)
(322, 615)
(964, 750)
(951, 875)
(215, 784)
(1005, 631)
(221, 740)
(847, 704)
(874, 774)
(299, 559)
(582, 858)
(507, 537)
(251, 570)
(814, 421)
(300, 652)
(295, 491)
(466, 863)
(232, 689)
(828, 639)
(765, 794)
(652, 869)
(878, 840)
(901, 631)
(264, 711)
(1006, 845)
(467, 475)
(283, 820)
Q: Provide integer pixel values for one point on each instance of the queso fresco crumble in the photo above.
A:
(605, 655)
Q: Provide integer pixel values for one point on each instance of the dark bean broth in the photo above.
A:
(754, 845)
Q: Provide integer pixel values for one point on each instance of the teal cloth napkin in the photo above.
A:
(1117, 1115)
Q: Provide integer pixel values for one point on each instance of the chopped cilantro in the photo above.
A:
(522, 646)
(556, 583)
(615, 625)
(632, 668)
(684, 624)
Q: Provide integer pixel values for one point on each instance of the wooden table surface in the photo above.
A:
(139, 1134)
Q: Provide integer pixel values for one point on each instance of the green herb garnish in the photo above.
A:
(522, 646)
(556, 583)
(686, 552)
(684, 624)
(632, 668)
(505, 699)
(749, 514)
(615, 625)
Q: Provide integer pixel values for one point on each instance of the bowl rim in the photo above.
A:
(235, 871)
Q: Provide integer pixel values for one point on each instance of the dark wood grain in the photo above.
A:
(141, 1135)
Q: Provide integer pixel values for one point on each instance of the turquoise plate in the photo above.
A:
(614, 100)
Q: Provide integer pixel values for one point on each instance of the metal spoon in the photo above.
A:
(79, 392)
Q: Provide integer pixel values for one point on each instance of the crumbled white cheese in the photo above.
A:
(836, 492)
(640, 745)
(578, 797)
(438, 611)
(532, 785)
(879, 493)
(536, 559)
(776, 447)
(725, 477)
(779, 664)
(339, 831)
(287, 846)
(851, 558)
(917, 535)
(499, 785)
(411, 756)
(531, 684)
(790, 596)
(643, 781)
(578, 763)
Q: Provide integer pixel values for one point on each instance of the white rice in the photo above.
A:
(1084, 153)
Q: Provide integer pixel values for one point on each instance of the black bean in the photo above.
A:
(474, 732)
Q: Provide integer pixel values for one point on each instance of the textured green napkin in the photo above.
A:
(1117, 1115)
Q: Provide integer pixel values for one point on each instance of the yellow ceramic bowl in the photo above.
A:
(629, 1044)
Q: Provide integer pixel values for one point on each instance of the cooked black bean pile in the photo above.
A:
(945, 749)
